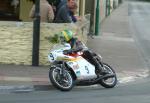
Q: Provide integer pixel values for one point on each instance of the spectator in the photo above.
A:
(62, 2)
(63, 13)
(46, 11)
(72, 12)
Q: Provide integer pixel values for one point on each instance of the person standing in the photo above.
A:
(46, 11)
(72, 12)
(63, 13)
(62, 2)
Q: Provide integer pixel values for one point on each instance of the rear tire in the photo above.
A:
(63, 84)
(109, 82)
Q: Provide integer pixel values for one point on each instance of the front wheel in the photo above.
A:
(65, 82)
(109, 82)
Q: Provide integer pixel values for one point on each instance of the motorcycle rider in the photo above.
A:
(67, 36)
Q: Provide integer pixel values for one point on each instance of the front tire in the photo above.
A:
(63, 84)
(109, 82)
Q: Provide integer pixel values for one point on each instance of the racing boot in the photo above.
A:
(99, 68)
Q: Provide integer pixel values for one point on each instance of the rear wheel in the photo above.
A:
(66, 83)
(109, 82)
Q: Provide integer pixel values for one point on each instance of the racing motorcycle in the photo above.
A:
(69, 68)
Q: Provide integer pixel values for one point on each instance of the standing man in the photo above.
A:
(63, 13)
(46, 11)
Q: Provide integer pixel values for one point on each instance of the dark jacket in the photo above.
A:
(63, 15)
(75, 43)
(62, 2)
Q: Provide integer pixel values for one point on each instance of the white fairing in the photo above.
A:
(57, 51)
(83, 69)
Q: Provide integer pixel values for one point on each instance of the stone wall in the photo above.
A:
(16, 40)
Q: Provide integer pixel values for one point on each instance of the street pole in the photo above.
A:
(36, 35)
(92, 18)
(107, 7)
(97, 19)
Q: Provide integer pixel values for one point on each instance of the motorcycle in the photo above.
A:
(69, 68)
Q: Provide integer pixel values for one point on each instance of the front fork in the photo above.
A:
(99, 60)
(62, 71)
(61, 65)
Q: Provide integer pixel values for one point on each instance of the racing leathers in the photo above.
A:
(87, 54)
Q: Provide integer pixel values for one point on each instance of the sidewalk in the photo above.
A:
(115, 44)
(118, 48)
(24, 78)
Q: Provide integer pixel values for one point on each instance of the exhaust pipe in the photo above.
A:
(87, 82)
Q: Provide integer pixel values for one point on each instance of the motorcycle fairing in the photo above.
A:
(82, 68)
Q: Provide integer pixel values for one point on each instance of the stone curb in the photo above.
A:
(123, 79)
(25, 88)
(22, 88)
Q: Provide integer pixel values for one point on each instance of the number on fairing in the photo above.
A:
(86, 68)
(51, 56)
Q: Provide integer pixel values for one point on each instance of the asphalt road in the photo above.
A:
(137, 92)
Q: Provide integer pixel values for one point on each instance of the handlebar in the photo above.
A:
(66, 52)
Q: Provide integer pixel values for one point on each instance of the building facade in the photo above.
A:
(17, 37)
(18, 10)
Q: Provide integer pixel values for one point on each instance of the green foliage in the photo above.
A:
(53, 39)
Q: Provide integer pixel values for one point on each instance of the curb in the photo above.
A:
(23, 79)
(123, 79)
(33, 84)
(22, 88)
(25, 88)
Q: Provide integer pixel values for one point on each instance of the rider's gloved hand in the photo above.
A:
(72, 50)
(67, 52)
